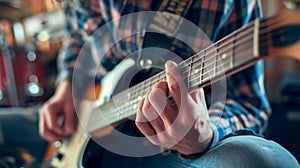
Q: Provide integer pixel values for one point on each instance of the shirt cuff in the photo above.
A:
(218, 133)
(63, 75)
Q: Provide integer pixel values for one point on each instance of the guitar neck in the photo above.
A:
(230, 54)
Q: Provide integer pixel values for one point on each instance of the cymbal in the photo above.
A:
(13, 10)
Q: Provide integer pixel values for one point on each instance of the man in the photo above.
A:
(219, 136)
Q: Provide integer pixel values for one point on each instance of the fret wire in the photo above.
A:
(197, 58)
(231, 60)
(161, 77)
(207, 79)
(191, 86)
(229, 37)
(224, 63)
(215, 60)
(228, 61)
(263, 32)
(181, 64)
(133, 113)
(223, 67)
(262, 24)
(136, 100)
(196, 66)
(190, 69)
(249, 31)
(216, 43)
(227, 49)
(248, 27)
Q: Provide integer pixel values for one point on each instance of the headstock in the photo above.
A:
(281, 31)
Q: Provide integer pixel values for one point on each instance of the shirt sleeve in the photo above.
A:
(82, 19)
(246, 105)
(76, 59)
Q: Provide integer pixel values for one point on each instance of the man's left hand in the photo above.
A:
(180, 124)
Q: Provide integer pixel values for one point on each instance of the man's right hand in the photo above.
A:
(57, 115)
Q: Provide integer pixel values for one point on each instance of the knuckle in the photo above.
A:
(172, 132)
(51, 126)
(140, 106)
(160, 84)
(146, 106)
(153, 140)
(173, 86)
(48, 107)
(138, 124)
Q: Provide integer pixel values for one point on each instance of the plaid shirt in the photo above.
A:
(246, 104)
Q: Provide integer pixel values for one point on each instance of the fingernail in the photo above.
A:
(169, 64)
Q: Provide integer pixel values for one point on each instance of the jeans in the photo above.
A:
(235, 151)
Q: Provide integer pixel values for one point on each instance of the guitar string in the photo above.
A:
(206, 64)
(149, 79)
(249, 27)
(209, 68)
(263, 21)
(204, 80)
(212, 62)
(123, 109)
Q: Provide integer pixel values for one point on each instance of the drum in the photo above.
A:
(22, 77)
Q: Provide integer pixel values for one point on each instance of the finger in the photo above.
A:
(140, 109)
(45, 132)
(158, 97)
(199, 98)
(51, 119)
(69, 123)
(152, 115)
(175, 82)
(141, 122)
(148, 111)
(162, 105)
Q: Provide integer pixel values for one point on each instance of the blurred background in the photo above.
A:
(31, 35)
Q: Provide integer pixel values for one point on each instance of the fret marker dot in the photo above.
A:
(196, 70)
(224, 56)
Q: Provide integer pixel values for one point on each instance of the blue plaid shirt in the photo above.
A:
(246, 104)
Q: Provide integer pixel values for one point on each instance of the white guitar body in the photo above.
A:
(88, 123)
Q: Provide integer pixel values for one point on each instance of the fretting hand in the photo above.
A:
(181, 124)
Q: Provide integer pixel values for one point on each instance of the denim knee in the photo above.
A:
(250, 151)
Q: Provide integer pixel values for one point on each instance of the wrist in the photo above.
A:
(206, 147)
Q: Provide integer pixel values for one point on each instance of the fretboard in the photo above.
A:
(233, 52)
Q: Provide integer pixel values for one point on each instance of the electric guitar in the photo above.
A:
(276, 36)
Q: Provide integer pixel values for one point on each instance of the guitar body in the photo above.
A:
(81, 149)
(127, 74)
